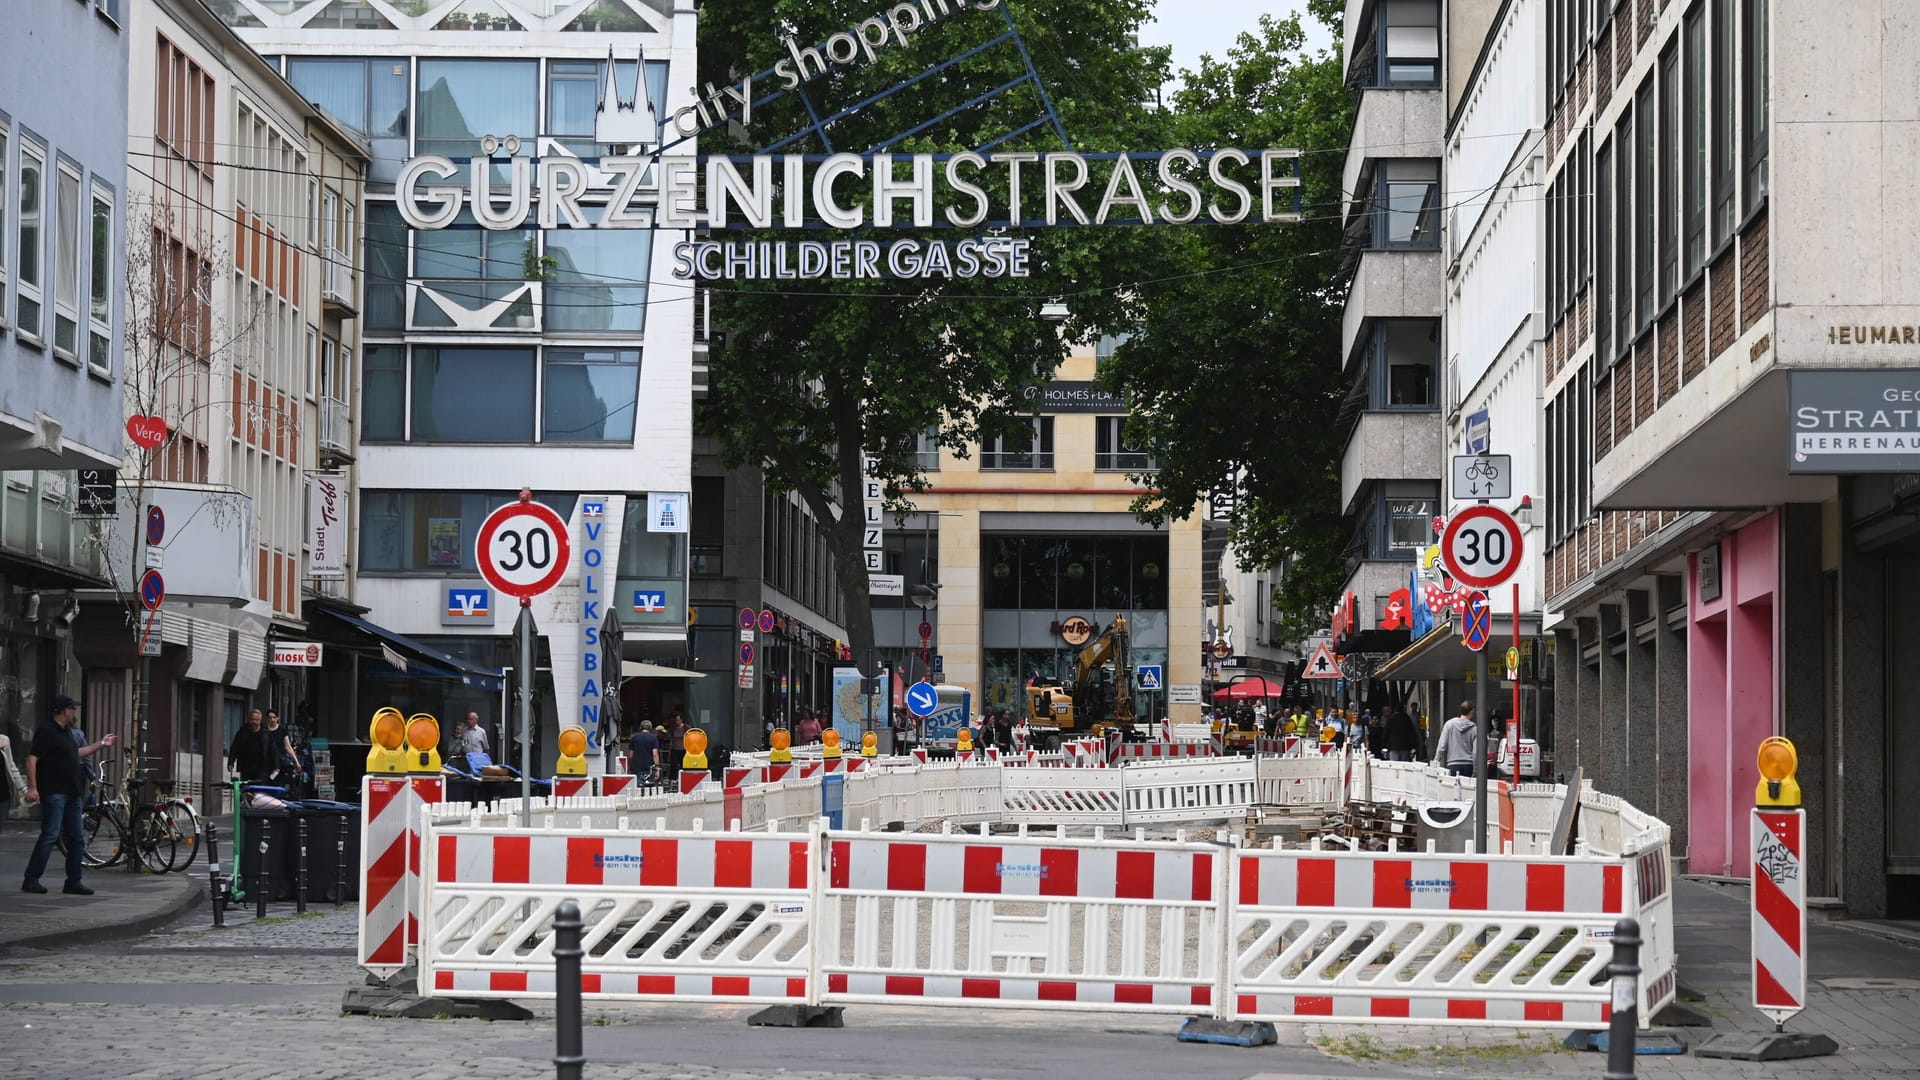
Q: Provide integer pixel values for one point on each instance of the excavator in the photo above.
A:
(1098, 700)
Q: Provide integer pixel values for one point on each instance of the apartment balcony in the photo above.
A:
(1395, 123)
(1392, 445)
(1394, 283)
(337, 291)
(336, 433)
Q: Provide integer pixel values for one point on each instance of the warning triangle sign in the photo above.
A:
(1322, 665)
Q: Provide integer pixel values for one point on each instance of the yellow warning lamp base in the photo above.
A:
(869, 745)
(573, 749)
(696, 759)
(830, 744)
(423, 744)
(963, 743)
(1778, 762)
(782, 753)
(387, 731)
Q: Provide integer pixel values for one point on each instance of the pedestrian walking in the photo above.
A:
(55, 779)
(251, 755)
(809, 730)
(13, 786)
(1399, 735)
(286, 760)
(643, 754)
(1456, 742)
(473, 737)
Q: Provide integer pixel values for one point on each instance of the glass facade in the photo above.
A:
(429, 532)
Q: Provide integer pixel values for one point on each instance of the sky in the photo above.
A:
(1210, 27)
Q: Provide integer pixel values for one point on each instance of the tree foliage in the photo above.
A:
(815, 374)
(1234, 371)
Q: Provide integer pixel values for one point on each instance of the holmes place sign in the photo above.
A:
(1075, 397)
(1854, 421)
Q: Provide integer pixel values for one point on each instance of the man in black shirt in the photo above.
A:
(251, 754)
(56, 780)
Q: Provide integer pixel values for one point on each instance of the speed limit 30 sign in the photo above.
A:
(523, 549)
(1481, 547)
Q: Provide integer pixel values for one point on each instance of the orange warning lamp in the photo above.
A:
(869, 745)
(696, 741)
(830, 743)
(1778, 762)
(964, 741)
(573, 752)
(782, 747)
(423, 743)
(388, 734)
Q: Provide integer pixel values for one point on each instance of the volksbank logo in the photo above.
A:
(601, 862)
(1032, 870)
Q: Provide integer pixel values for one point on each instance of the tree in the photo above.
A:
(812, 378)
(1233, 372)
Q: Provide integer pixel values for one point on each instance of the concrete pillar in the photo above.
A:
(1670, 732)
(1587, 721)
(1638, 776)
(1803, 684)
(1861, 768)
(1612, 757)
(1566, 701)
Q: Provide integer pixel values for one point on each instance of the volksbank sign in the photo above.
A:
(963, 191)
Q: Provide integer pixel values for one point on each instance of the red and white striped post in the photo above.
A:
(1779, 913)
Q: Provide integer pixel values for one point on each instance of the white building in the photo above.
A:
(555, 360)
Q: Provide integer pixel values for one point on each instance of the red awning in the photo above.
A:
(1256, 686)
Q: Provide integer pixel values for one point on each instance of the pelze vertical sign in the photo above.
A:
(593, 591)
(326, 525)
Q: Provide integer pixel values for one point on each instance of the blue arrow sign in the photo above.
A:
(1148, 676)
(921, 699)
(156, 524)
(1479, 624)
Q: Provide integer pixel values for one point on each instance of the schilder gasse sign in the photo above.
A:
(984, 194)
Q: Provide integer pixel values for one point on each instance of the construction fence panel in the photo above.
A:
(1225, 788)
(965, 920)
(1050, 796)
(1652, 866)
(1298, 781)
(1422, 938)
(667, 916)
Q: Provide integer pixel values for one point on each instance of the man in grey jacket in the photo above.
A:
(1456, 742)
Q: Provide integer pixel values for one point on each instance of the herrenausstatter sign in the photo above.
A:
(1859, 421)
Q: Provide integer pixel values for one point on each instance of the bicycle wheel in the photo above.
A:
(104, 844)
(183, 825)
(152, 840)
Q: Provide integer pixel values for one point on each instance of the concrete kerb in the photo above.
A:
(192, 893)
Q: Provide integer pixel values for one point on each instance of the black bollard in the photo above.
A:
(340, 860)
(569, 1055)
(216, 889)
(1622, 1033)
(300, 878)
(260, 871)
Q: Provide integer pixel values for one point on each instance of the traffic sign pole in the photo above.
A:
(1480, 751)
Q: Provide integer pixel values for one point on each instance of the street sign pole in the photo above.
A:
(1480, 751)
(523, 633)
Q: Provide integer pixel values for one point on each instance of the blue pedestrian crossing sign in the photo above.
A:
(1149, 676)
(922, 700)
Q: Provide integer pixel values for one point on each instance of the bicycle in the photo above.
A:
(159, 830)
(1483, 470)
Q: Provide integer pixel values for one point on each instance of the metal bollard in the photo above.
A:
(1622, 1033)
(340, 861)
(568, 1053)
(216, 889)
(300, 877)
(260, 871)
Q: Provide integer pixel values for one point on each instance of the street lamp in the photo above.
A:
(1054, 312)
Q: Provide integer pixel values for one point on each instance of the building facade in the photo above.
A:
(1725, 570)
(63, 193)
(554, 360)
(237, 341)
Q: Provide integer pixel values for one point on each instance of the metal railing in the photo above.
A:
(336, 282)
(336, 425)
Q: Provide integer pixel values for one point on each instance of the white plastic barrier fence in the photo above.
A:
(1298, 781)
(1179, 791)
(1048, 796)
(667, 916)
(1653, 881)
(962, 920)
(1432, 939)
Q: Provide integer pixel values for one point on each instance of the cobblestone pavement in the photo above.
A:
(261, 999)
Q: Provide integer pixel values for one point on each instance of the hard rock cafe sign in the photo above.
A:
(1076, 631)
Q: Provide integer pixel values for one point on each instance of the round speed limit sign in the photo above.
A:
(523, 548)
(1481, 546)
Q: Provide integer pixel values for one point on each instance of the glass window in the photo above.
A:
(1754, 92)
(465, 252)
(462, 100)
(1603, 250)
(1409, 525)
(430, 532)
(1693, 155)
(1111, 450)
(926, 450)
(473, 395)
(1000, 571)
(1623, 234)
(32, 274)
(1643, 204)
(1410, 42)
(573, 101)
(590, 395)
(1109, 344)
(1722, 110)
(368, 96)
(100, 285)
(385, 289)
(598, 281)
(1408, 214)
(5, 205)
(1409, 350)
(1021, 450)
(1148, 574)
(1668, 218)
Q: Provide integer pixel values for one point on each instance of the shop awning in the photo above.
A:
(422, 659)
(637, 669)
(1256, 686)
(1441, 655)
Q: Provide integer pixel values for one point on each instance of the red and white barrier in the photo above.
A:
(392, 810)
(705, 917)
(1779, 913)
